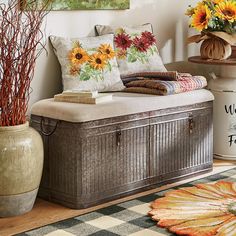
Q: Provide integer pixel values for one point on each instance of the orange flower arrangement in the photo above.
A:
(205, 209)
(216, 22)
(213, 15)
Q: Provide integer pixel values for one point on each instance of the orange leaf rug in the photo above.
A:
(203, 210)
(194, 208)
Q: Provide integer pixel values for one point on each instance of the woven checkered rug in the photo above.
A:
(128, 218)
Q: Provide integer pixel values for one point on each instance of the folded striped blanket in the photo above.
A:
(163, 83)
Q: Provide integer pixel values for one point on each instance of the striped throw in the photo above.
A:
(181, 82)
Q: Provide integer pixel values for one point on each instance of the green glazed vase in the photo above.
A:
(21, 164)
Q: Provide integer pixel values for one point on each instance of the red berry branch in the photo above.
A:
(20, 46)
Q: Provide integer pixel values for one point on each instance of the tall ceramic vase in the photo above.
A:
(21, 163)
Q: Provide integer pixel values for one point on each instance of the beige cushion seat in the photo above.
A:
(122, 104)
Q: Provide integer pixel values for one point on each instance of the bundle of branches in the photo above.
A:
(20, 46)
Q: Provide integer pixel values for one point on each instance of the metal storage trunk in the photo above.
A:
(87, 163)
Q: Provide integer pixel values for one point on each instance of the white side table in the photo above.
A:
(224, 109)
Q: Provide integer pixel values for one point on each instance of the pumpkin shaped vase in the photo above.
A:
(215, 48)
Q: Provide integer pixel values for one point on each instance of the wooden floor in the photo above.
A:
(45, 212)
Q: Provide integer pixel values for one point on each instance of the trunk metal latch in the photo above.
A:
(118, 137)
(190, 123)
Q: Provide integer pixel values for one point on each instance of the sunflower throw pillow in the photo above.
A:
(135, 48)
(88, 63)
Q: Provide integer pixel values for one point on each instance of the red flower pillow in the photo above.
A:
(136, 49)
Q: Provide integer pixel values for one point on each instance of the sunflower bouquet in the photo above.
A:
(90, 63)
(213, 15)
(216, 22)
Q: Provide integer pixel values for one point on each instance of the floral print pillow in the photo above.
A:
(88, 63)
(136, 49)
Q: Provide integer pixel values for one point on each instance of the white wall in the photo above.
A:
(169, 23)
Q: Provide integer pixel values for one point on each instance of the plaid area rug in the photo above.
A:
(127, 218)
